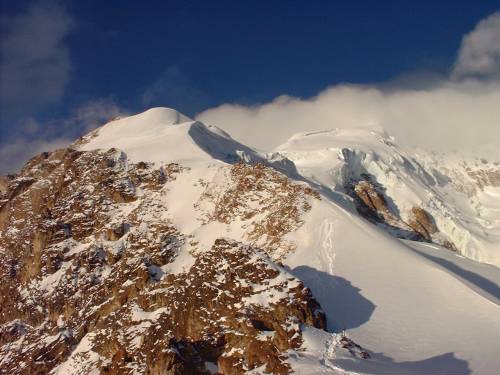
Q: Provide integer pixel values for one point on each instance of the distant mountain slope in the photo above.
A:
(412, 194)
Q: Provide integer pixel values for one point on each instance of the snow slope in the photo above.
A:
(415, 314)
(409, 310)
(165, 135)
(462, 196)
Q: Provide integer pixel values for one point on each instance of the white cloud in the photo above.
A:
(94, 114)
(479, 53)
(449, 114)
(35, 67)
(14, 154)
(461, 116)
(34, 73)
(56, 133)
(35, 70)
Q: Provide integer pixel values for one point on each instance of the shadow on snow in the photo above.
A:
(337, 295)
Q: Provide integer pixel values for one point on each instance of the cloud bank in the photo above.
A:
(35, 59)
(460, 112)
(35, 72)
(479, 53)
(463, 117)
(35, 137)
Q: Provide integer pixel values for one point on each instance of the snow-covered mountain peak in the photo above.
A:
(160, 115)
(161, 135)
(455, 193)
(367, 140)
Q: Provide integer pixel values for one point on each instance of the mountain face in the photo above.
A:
(159, 245)
(413, 195)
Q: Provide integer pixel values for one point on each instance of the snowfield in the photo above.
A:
(451, 190)
(411, 311)
(416, 308)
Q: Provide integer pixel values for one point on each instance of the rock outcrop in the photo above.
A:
(88, 284)
(422, 223)
(372, 203)
(271, 202)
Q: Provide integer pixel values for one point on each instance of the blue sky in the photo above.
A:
(68, 65)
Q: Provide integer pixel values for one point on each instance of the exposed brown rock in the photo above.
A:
(353, 348)
(116, 231)
(251, 190)
(449, 245)
(374, 200)
(84, 243)
(371, 203)
(485, 176)
(4, 183)
(210, 311)
(422, 223)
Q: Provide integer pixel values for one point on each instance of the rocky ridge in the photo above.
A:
(86, 242)
(373, 204)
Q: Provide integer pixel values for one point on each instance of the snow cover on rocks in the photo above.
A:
(415, 311)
